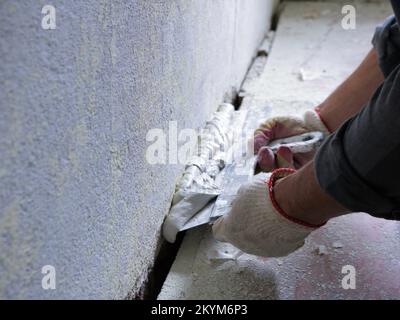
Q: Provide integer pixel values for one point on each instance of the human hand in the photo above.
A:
(257, 225)
(283, 127)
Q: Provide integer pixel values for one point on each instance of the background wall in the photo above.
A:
(76, 104)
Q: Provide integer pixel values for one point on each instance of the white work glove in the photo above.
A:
(257, 225)
(283, 127)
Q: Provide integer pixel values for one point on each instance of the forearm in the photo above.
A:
(301, 197)
(353, 94)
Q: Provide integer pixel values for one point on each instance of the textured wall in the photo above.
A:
(76, 104)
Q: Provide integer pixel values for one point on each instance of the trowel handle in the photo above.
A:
(306, 142)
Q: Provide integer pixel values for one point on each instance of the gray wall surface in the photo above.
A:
(76, 103)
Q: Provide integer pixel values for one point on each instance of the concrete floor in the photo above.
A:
(310, 56)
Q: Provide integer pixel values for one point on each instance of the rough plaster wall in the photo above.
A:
(76, 104)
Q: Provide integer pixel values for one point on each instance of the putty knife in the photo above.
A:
(236, 174)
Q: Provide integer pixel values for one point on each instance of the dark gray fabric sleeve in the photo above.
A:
(359, 164)
(386, 41)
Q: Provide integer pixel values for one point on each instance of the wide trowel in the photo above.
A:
(208, 187)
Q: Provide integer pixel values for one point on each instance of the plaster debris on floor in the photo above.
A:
(311, 54)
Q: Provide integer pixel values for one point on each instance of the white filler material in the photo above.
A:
(200, 182)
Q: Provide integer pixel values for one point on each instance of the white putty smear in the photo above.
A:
(200, 182)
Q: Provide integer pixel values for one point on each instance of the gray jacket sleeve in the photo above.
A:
(386, 41)
(359, 164)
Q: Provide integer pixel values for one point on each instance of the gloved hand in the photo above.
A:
(283, 127)
(257, 225)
